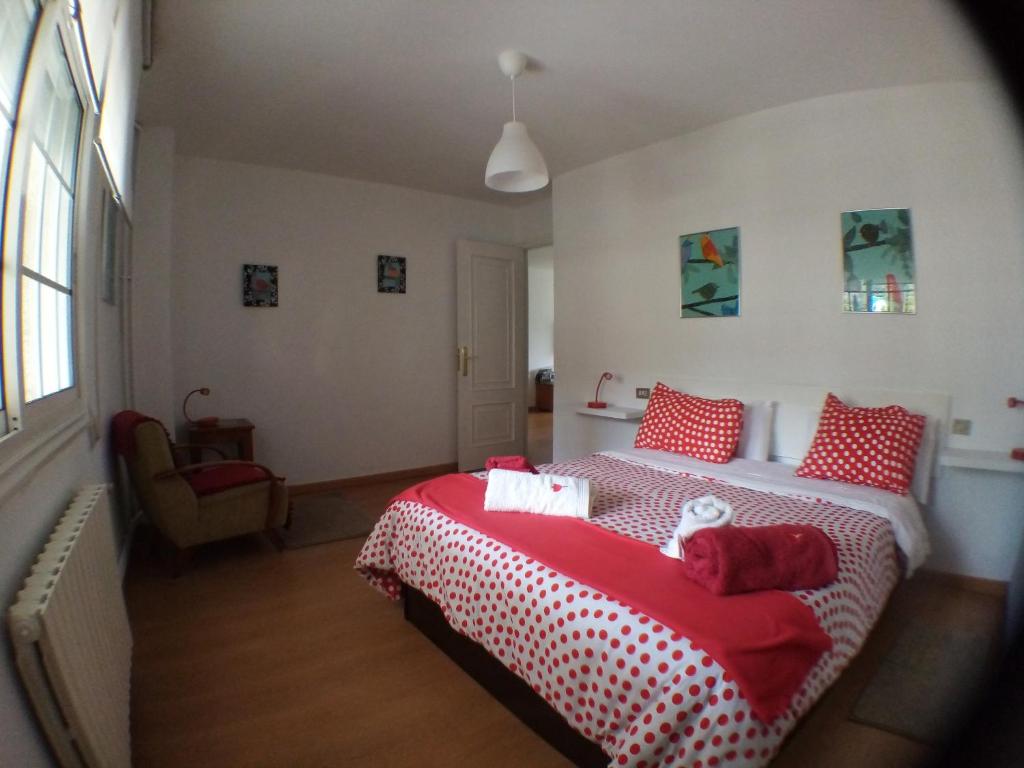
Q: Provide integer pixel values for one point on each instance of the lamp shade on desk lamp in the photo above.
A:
(597, 402)
(205, 421)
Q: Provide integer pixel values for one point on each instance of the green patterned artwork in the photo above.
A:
(710, 266)
(878, 261)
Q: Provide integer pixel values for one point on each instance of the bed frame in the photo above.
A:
(518, 697)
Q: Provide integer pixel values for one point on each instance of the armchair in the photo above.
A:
(197, 503)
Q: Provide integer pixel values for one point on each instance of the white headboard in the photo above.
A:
(797, 407)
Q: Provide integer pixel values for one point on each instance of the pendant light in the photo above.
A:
(516, 165)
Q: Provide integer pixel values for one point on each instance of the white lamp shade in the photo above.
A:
(516, 164)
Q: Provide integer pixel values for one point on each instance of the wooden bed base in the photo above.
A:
(518, 697)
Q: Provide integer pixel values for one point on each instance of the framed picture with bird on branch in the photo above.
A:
(878, 261)
(710, 269)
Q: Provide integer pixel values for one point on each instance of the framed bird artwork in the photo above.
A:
(259, 285)
(390, 274)
(710, 270)
(878, 261)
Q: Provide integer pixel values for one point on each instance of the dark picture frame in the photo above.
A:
(110, 247)
(259, 285)
(390, 274)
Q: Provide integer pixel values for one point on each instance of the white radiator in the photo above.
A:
(72, 640)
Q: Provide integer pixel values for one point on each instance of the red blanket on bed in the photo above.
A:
(767, 641)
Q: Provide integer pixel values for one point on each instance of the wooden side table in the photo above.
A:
(545, 396)
(237, 432)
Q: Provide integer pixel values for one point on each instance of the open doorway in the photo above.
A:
(540, 271)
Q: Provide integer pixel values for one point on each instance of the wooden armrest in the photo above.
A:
(210, 465)
(197, 447)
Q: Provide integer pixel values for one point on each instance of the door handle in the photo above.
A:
(463, 353)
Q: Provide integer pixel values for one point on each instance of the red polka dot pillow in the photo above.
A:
(708, 430)
(865, 446)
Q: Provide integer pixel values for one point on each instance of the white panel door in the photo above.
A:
(491, 351)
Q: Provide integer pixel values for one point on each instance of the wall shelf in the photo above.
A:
(613, 412)
(967, 458)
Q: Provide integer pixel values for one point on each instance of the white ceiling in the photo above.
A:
(409, 92)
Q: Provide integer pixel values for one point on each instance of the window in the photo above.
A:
(43, 117)
(17, 23)
(53, 129)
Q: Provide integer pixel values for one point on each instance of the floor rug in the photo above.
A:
(322, 518)
(926, 683)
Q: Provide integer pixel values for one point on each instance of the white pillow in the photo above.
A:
(757, 430)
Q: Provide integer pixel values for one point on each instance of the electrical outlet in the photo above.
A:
(961, 426)
(643, 393)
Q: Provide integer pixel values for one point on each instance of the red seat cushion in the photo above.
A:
(217, 479)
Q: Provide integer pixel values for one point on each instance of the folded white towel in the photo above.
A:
(705, 512)
(510, 491)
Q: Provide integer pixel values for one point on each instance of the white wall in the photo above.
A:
(152, 244)
(533, 223)
(948, 151)
(977, 523)
(340, 380)
(540, 270)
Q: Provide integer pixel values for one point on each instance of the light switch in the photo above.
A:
(961, 426)
(643, 393)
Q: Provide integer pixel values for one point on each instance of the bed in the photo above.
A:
(645, 693)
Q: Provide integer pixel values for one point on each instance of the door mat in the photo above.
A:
(323, 518)
(927, 683)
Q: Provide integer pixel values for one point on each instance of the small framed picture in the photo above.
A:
(878, 261)
(390, 274)
(710, 267)
(111, 243)
(259, 285)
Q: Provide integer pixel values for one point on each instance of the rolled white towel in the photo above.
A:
(510, 491)
(705, 512)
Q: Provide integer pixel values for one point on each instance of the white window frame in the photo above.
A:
(36, 430)
(10, 119)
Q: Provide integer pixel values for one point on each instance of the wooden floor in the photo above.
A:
(538, 436)
(255, 658)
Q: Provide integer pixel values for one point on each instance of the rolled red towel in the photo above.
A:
(735, 559)
(515, 463)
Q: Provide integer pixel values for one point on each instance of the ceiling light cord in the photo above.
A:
(513, 98)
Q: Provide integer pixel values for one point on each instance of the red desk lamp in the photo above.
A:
(597, 402)
(205, 421)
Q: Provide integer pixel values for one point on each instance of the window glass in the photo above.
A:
(17, 21)
(54, 124)
(17, 25)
